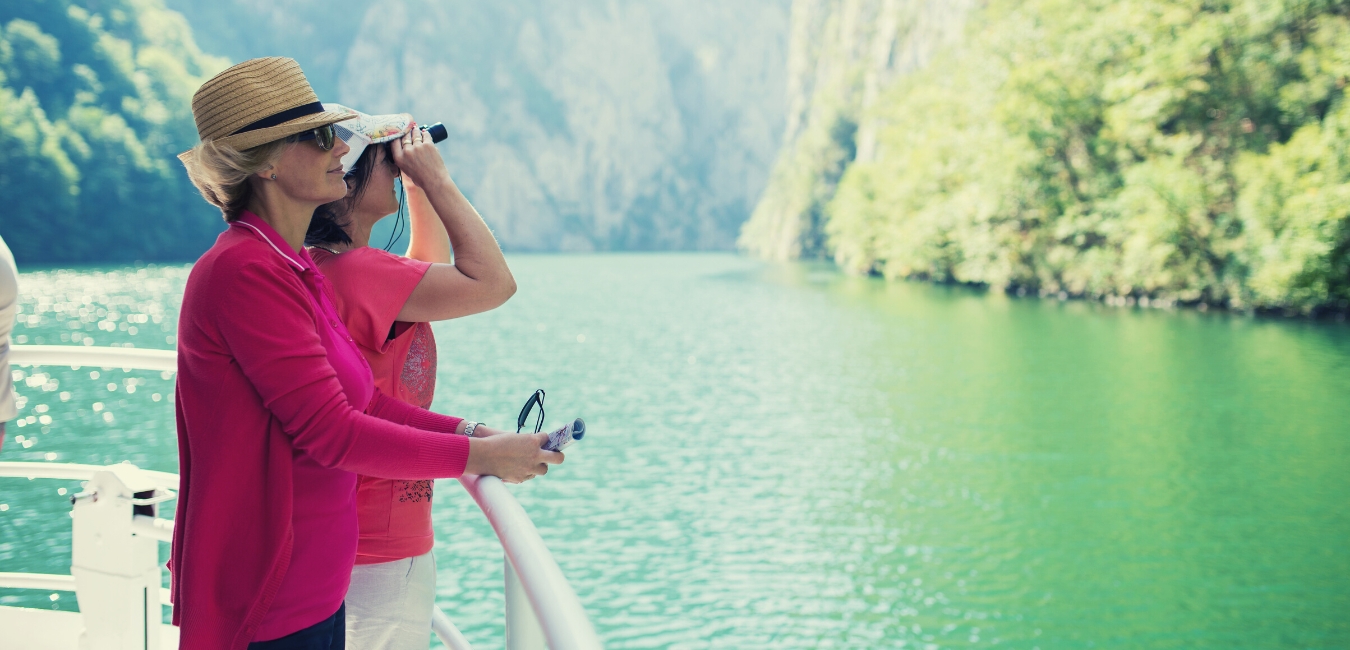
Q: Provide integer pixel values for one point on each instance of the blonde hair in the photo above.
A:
(221, 172)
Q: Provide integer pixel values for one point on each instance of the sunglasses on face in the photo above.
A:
(323, 136)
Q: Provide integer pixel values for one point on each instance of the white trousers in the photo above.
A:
(389, 604)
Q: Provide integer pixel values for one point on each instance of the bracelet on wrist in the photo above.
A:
(469, 428)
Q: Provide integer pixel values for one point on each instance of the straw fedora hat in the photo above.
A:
(259, 101)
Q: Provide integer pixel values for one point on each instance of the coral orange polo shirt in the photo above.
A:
(372, 286)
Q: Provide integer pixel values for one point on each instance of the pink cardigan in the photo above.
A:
(255, 386)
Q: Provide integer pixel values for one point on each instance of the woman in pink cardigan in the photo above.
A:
(277, 409)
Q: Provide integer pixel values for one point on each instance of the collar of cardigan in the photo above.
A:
(264, 231)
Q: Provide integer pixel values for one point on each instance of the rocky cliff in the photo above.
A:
(591, 126)
(842, 54)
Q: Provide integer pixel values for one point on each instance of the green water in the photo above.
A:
(783, 457)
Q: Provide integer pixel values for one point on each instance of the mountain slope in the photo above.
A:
(842, 55)
(594, 126)
(1152, 152)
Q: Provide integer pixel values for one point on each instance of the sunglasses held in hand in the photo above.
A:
(557, 440)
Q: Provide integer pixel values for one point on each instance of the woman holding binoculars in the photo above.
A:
(387, 301)
(277, 408)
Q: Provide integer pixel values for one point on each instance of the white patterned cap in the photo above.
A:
(364, 130)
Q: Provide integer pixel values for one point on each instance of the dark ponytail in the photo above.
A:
(325, 227)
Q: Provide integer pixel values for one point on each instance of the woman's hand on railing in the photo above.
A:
(512, 458)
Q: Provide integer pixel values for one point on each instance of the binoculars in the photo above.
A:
(436, 131)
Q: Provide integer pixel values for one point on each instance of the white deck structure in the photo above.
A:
(115, 572)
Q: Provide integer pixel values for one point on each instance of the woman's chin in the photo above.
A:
(336, 192)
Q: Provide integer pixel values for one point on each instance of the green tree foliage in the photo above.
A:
(95, 102)
(1184, 151)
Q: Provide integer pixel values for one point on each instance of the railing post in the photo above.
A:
(117, 578)
(523, 631)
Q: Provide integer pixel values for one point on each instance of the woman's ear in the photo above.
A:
(269, 174)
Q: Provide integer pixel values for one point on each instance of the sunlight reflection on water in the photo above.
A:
(780, 456)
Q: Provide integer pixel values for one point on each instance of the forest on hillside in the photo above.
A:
(94, 105)
(646, 125)
(1164, 151)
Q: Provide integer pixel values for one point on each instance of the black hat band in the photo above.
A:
(283, 117)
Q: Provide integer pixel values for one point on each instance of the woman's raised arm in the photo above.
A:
(479, 278)
(428, 240)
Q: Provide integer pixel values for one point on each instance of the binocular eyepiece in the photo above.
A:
(436, 131)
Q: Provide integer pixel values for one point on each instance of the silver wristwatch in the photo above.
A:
(469, 427)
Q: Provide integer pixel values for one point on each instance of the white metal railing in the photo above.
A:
(52, 582)
(95, 357)
(541, 606)
(43, 581)
(74, 472)
(532, 572)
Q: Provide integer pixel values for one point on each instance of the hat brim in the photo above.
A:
(378, 128)
(250, 139)
(368, 130)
